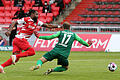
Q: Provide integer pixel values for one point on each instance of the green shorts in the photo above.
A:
(52, 55)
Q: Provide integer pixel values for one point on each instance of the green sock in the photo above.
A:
(59, 69)
(39, 62)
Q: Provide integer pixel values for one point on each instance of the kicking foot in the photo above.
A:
(1, 69)
(35, 68)
(13, 59)
(48, 71)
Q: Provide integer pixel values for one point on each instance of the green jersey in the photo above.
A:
(65, 40)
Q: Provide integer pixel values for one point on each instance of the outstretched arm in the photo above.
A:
(46, 37)
(40, 23)
(82, 41)
(50, 26)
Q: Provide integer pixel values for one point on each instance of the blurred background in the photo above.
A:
(99, 18)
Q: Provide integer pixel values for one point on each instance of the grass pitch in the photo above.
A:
(83, 66)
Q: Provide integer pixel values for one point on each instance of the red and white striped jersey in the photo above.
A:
(28, 27)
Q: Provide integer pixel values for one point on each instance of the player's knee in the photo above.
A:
(32, 51)
(65, 67)
(17, 52)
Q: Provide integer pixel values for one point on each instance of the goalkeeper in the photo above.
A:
(62, 49)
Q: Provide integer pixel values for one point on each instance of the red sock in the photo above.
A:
(8, 62)
(29, 52)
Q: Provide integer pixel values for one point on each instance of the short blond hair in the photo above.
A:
(66, 25)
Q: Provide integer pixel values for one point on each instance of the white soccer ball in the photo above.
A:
(112, 67)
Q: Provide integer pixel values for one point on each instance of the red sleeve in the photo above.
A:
(26, 19)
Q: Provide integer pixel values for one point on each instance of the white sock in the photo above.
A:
(1, 66)
(14, 57)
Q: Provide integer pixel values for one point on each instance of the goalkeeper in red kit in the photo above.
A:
(20, 41)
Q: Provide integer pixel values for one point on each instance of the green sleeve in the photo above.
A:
(50, 37)
(81, 40)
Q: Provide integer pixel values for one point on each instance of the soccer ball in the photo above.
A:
(112, 67)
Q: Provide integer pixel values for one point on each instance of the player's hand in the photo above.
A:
(53, 26)
(36, 33)
(50, 26)
(7, 33)
(90, 42)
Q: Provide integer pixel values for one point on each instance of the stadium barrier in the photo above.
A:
(6, 48)
(98, 28)
(101, 42)
(77, 28)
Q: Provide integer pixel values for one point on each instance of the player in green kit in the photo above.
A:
(62, 49)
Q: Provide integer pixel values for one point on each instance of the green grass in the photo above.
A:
(83, 66)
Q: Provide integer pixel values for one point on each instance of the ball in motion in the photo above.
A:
(112, 67)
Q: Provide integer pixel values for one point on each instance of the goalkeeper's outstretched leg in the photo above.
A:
(39, 63)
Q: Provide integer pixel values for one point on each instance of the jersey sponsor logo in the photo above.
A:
(100, 42)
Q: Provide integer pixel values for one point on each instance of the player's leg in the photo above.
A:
(29, 52)
(60, 69)
(49, 56)
(7, 63)
(10, 61)
(1, 69)
(16, 50)
(39, 63)
(61, 61)
(24, 45)
(56, 69)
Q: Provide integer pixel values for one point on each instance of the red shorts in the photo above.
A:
(20, 44)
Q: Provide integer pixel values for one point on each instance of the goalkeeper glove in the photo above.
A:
(90, 42)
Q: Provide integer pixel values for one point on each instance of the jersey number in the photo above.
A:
(68, 38)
